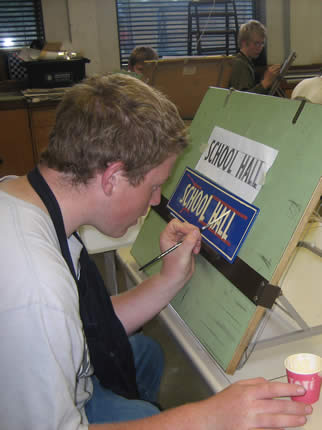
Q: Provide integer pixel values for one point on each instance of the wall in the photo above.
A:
(91, 25)
(56, 20)
(275, 24)
(294, 25)
(306, 31)
(108, 35)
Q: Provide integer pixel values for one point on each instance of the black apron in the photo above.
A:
(110, 351)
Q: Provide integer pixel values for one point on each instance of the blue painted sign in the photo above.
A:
(200, 201)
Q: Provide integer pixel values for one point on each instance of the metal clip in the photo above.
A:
(266, 295)
(299, 110)
(231, 89)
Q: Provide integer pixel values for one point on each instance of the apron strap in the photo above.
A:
(43, 190)
(110, 350)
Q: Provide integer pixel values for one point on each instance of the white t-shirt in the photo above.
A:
(310, 88)
(44, 362)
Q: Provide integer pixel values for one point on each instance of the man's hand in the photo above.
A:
(270, 74)
(256, 404)
(178, 266)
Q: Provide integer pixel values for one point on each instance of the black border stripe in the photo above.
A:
(240, 274)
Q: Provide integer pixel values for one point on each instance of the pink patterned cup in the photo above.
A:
(304, 369)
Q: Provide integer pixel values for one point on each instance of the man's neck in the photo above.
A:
(20, 188)
(72, 199)
(77, 203)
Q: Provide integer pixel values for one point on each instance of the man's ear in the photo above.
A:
(111, 175)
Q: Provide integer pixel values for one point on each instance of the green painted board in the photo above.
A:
(215, 310)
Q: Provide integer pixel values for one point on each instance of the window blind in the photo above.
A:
(21, 22)
(163, 25)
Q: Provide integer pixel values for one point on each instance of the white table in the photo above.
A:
(97, 243)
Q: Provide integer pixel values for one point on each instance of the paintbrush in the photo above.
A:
(163, 254)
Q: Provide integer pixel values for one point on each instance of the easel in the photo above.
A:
(225, 306)
(299, 328)
(185, 80)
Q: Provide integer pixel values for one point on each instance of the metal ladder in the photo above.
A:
(212, 27)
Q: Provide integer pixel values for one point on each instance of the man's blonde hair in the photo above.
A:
(112, 118)
(248, 29)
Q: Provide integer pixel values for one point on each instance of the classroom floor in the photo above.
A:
(181, 383)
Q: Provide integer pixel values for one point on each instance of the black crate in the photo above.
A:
(55, 73)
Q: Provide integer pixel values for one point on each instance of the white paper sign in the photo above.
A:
(236, 162)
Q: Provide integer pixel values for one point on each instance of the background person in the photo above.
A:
(69, 356)
(251, 41)
(138, 56)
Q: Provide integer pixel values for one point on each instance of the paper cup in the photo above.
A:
(304, 369)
